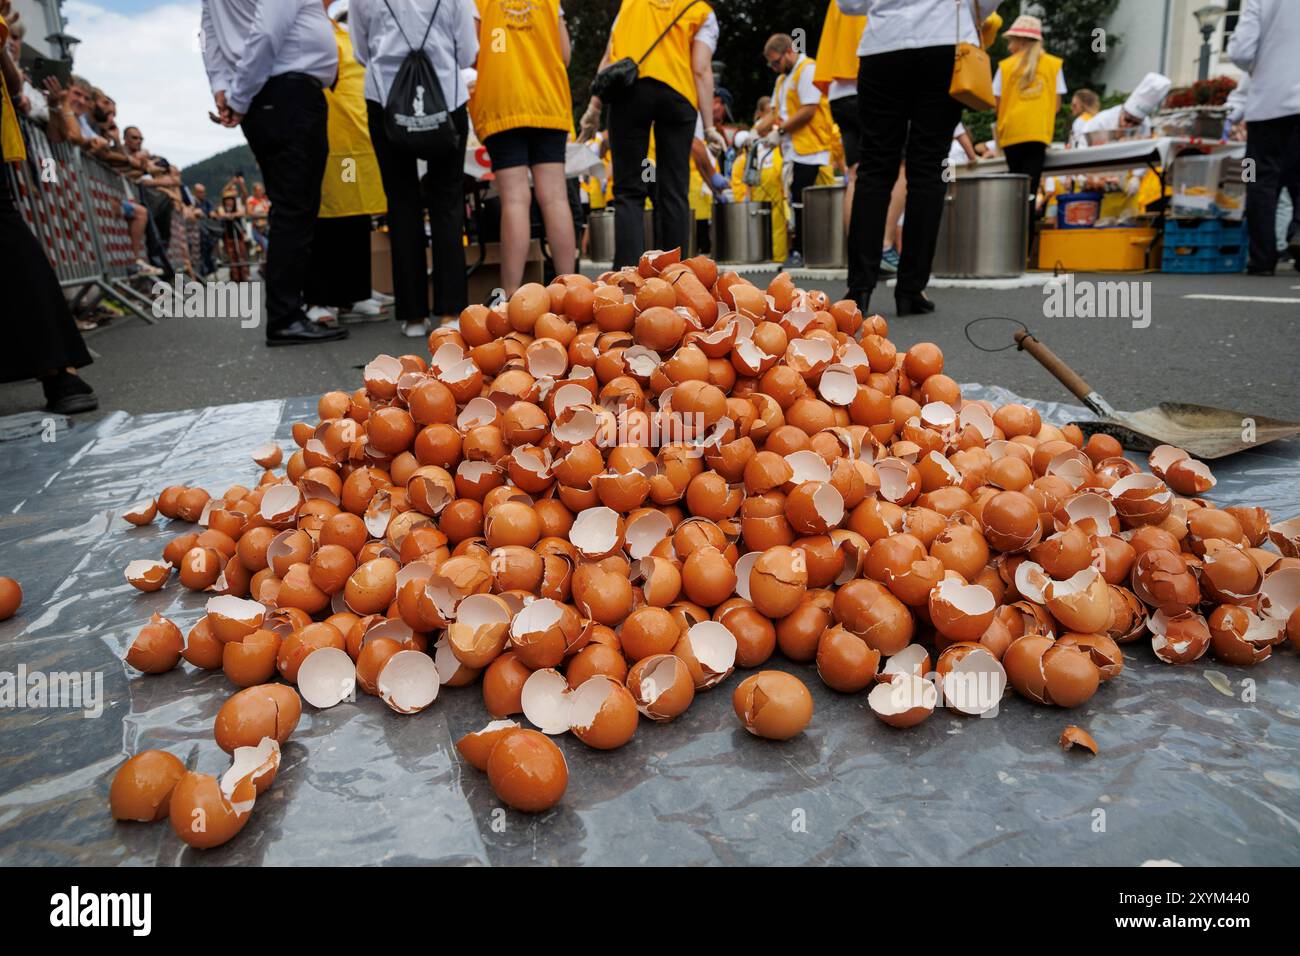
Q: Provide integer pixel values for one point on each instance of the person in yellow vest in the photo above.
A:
(760, 157)
(42, 340)
(800, 120)
(836, 75)
(673, 43)
(352, 191)
(523, 113)
(1028, 86)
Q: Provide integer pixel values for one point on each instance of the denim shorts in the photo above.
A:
(526, 146)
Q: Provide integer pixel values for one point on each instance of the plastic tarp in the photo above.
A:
(1187, 772)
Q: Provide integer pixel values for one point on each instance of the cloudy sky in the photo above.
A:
(145, 54)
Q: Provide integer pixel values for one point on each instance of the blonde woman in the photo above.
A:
(1028, 86)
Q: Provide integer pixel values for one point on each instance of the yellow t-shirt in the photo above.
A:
(837, 51)
(12, 147)
(1027, 114)
(352, 185)
(640, 22)
(522, 79)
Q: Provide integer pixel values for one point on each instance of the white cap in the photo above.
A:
(1148, 96)
(337, 9)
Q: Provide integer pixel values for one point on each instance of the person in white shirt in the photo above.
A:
(802, 133)
(268, 63)
(1266, 44)
(906, 60)
(384, 33)
(1135, 112)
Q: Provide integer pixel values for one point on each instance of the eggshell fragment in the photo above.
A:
(904, 701)
(1073, 736)
(602, 713)
(709, 652)
(142, 787)
(972, 680)
(477, 746)
(409, 682)
(546, 701)
(267, 710)
(203, 816)
(527, 771)
(256, 765)
(661, 686)
(327, 677)
(773, 704)
(146, 575)
(157, 647)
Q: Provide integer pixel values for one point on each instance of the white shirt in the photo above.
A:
(911, 24)
(1060, 82)
(381, 49)
(1266, 44)
(808, 95)
(246, 42)
(956, 152)
(842, 88)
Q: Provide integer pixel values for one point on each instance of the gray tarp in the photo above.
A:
(1186, 772)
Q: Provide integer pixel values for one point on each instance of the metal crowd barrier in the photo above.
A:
(73, 204)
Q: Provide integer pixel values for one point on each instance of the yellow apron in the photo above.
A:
(837, 52)
(352, 185)
(815, 136)
(522, 80)
(12, 147)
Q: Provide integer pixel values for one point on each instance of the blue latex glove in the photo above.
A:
(718, 183)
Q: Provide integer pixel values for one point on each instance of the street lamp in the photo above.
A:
(1207, 17)
(65, 42)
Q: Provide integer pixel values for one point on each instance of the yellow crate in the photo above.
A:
(1122, 249)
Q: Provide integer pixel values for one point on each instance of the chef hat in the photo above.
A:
(1148, 96)
(743, 138)
(338, 10)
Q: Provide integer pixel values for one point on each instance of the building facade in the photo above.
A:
(1163, 35)
(43, 18)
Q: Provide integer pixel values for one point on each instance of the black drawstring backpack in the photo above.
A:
(416, 117)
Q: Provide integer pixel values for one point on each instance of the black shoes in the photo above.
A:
(67, 394)
(303, 331)
(862, 297)
(916, 304)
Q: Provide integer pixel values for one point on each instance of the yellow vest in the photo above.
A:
(837, 51)
(522, 80)
(815, 136)
(12, 148)
(641, 21)
(1028, 115)
(352, 185)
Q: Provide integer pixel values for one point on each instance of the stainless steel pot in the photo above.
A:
(601, 226)
(823, 226)
(984, 233)
(742, 232)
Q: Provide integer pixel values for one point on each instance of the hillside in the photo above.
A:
(215, 171)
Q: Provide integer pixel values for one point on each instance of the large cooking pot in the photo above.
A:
(601, 226)
(984, 233)
(742, 232)
(823, 227)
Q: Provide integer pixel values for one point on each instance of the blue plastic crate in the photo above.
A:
(1209, 261)
(1205, 232)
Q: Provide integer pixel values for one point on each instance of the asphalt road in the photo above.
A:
(1233, 354)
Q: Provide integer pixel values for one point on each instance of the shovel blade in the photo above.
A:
(1201, 430)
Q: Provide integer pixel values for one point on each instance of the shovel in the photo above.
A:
(1201, 430)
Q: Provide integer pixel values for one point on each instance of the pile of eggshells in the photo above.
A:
(601, 498)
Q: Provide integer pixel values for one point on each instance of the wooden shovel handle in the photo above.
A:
(1054, 364)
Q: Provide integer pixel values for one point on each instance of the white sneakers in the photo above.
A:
(367, 308)
(382, 298)
(323, 315)
(414, 330)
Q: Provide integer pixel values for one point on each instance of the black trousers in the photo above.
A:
(1274, 145)
(444, 195)
(340, 262)
(1026, 159)
(903, 98)
(40, 335)
(286, 129)
(802, 176)
(647, 104)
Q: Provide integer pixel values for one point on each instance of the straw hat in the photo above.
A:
(1026, 27)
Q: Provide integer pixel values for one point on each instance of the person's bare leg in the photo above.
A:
(897, 202)
(139, 221)
(516, 199)
(553, 197)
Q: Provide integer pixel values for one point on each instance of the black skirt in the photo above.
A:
(40, 334)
